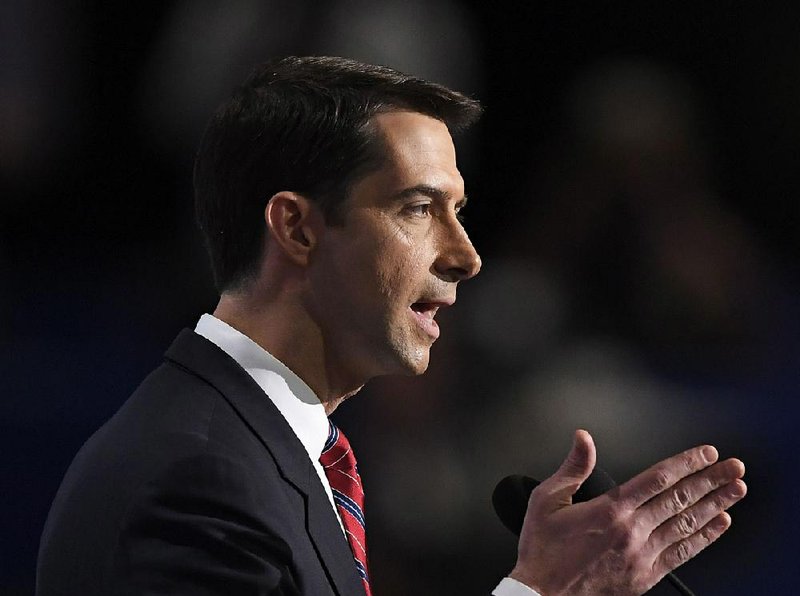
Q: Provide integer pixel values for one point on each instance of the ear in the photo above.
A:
(293, 222)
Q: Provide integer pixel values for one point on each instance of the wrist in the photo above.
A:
(524, 577)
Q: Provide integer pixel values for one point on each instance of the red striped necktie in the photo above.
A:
(340, 467)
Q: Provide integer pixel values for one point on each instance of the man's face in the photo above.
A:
(378, 280)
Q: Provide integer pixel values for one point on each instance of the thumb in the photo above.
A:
(573, 472)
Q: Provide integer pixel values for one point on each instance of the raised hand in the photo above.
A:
(625, 541)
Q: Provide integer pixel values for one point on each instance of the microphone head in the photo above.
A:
(511, 495)
(510, 500)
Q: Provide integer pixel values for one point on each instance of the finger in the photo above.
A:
(688, 522)
(557, 491)
(677, 499)
(680, 552)
(658, 478)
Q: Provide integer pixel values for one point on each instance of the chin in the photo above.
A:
(402, 365)
(405, 358)
(417, 362)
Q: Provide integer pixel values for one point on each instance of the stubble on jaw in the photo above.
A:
(403, 336)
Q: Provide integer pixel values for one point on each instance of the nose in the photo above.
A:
(457, 259)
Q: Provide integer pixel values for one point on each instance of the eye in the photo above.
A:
(420, 210)
(460, 216)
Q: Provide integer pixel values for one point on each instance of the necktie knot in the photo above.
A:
(337, 455)
(339, 463)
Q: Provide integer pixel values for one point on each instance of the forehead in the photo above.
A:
(418, 149)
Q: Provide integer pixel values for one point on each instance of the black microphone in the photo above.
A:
(511, 495)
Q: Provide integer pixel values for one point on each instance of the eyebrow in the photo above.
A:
(429, 191)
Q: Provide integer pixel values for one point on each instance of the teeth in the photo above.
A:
(425, 309)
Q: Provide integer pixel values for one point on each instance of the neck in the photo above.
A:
(283, 327)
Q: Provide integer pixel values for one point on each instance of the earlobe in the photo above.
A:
(290, 221)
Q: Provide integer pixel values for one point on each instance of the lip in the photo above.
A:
(424, 316)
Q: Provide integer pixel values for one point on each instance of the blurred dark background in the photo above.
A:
(633, 193)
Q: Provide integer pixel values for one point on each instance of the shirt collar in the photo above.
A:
(294, 399)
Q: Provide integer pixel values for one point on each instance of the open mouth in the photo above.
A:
(427, 309)
(424, 313)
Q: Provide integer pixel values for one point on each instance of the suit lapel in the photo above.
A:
(207, 361)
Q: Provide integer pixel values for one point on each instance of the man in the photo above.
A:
(329, 197)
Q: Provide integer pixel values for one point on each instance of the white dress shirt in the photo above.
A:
(295, 400)
(298, 404)
(511, 587)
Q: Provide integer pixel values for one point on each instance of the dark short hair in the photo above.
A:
(301, 125)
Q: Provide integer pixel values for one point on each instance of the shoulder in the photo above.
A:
(176, 469)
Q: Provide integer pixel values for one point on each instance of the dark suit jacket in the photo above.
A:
(197, 485)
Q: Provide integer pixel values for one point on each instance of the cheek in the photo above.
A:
(400, 267)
